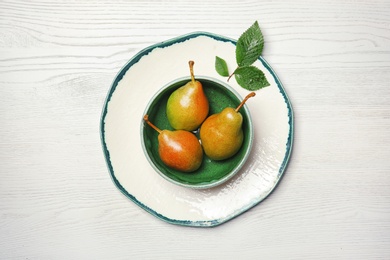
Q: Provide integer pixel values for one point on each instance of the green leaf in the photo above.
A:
(221, 66)
(249, 46)
(251, 78)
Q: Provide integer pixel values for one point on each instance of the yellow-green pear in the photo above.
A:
(188, 106)
(221, 134)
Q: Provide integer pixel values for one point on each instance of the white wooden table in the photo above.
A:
(57, 62)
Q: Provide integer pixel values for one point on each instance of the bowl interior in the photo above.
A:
(210, 173)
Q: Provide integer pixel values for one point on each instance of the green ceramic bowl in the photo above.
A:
(211, 173)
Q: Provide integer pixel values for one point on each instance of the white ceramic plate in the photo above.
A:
(121, 120)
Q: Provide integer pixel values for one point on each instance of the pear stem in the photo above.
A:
(191, 64)
(146, 118)
(252, 94)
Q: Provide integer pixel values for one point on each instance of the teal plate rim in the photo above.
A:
(167, 43)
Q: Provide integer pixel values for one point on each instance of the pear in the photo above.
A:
(221, 134)
(178, 149)
(188, 106)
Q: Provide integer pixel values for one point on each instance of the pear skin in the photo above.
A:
(188, 106)
(178, 149)
(221, 134)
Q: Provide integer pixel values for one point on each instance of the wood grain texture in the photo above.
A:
(57, 61)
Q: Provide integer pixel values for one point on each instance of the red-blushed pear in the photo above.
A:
(178, 149)
(221, 134)
(188, 106)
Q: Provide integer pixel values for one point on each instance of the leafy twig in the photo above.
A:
(248, 49)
